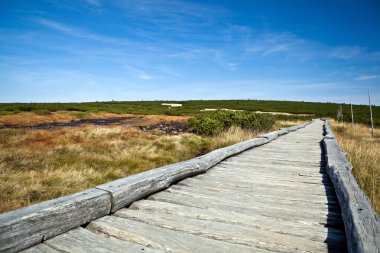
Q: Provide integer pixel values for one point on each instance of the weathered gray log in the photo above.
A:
(329, 134)
(270, 136)
(127, 190)
(362, 225)
(334, 155)
(31, 225)
(292, 128)
(282, 131)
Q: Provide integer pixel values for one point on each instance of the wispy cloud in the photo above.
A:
(274, 43)
(173, 9)
(79, 33)
(367, 77)
(138, 73)
(345, 52)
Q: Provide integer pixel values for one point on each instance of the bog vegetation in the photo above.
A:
(216, 122)
(38, 165)
(190, 108)
(364, 154)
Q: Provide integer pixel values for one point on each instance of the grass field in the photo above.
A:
(37, 165)
(189, 108)
(364, 154)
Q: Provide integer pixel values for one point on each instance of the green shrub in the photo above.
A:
(213, 123)
(206, 125)
(43, 112)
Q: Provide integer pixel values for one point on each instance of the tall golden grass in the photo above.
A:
(363, 152)
(37, 165)
(30, 118)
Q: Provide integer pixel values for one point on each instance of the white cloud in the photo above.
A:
(138, 73)
(367, 77)
(272, 43)
(79, 33)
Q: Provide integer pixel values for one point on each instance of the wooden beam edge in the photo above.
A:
(362, 224)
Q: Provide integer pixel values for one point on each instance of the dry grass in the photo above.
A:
(38, 165)
(364, 154)
(30, 118)
(231, 136)
(44, 164)
(284, 123)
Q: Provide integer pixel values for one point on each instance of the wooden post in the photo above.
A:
(370, 111)
(352, 113)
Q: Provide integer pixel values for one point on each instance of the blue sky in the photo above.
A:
(87, 50)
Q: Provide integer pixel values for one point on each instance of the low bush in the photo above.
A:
(43, 112)
(215, 122)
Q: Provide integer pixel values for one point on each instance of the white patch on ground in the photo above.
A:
(172, 105)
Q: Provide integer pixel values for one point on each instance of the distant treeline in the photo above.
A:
(194, 107)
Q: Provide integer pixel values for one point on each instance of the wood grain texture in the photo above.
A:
(127, 190)
(311, 231)
(362, 224)
(31, 225)
(232, 233)
(161, 238)
(82, 240)
(40, 248)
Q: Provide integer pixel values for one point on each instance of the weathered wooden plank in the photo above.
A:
(300, 185)
(315, 233)
(279, 173)
(223, 204)
(256, 199)
(28, 226)
(276, 160)
(40, 248)
(296, 180)
(306, 188)
(274, 168)
(227, 232)
(275, 192)
(125, 191)
(162, 238)
(361, 222)
(82, 240)
(296, 177)
(281, 204)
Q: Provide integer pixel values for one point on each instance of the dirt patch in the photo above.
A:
(73, 123)
(168, 128)
(166, 124)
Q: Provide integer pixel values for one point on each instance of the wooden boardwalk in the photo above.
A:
(272, 198)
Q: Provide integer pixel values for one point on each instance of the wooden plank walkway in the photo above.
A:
(272, 198)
